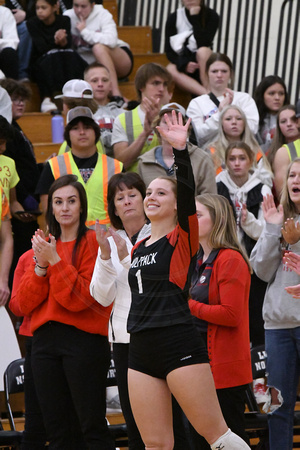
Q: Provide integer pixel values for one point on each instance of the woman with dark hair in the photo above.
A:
(279, 155)
(109, 284)
(220, 307)
(188, 44)
(205, 110)
(70, 349)
(270, 95)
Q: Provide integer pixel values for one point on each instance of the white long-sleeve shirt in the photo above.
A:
(110, 284)
(8, 29)
(205, 115)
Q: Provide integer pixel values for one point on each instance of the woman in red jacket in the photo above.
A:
(219, 302)
(70, 350)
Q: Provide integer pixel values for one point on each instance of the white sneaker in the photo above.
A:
(47, 105)
(260, 391)
(230, 441)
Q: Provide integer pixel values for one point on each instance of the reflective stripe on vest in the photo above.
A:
(293, 149)
(133, 127)
(65, 148)
(96, 186)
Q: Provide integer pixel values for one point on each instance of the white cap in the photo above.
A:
(169, 107)
(76, 89)
(79, 111)
(5, 105)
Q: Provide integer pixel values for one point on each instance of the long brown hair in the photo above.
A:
(289, 207)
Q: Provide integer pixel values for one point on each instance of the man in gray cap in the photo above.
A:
(92, 168)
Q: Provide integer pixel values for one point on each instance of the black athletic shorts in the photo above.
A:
(158, 351)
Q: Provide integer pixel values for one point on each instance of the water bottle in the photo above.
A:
(57, 127)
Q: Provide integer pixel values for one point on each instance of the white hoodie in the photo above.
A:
(253, 226)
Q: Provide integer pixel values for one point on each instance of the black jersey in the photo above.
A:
(160, 274)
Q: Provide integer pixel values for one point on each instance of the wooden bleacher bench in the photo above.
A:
(139, 38)
(112, 7)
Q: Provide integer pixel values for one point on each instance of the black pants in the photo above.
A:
(232, 402)
(70, 369)
(9, 63)
(180, 423)
(34, 435)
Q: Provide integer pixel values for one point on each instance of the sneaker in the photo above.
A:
(47, 105)
(260, 391)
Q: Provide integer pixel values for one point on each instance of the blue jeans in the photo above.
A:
(283, 369)
(24, 49)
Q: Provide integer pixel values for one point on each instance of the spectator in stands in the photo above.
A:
(281, 312)
(95, 38)
(233, 126)
(283, 150)
(53, 62)
(8, 44)
(22, 11)
(6, 239)
(270, 95)
(133, 132)
(205, 110)
(98, 76)
(70, 350)
(20, 149)
(220, 306)
(188, 42)
(77, 93)
(159, 161)
(241, 185)
(92, 168)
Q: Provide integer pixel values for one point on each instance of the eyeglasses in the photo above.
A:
(18, 101)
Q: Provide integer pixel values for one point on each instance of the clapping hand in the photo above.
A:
(271, 213)
(291, 231)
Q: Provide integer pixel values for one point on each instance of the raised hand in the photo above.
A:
(177, 133)
(271, 213)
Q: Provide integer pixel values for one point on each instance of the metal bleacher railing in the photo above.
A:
(260, 36)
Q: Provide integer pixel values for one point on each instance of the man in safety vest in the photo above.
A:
(92, 168)
(133, 133)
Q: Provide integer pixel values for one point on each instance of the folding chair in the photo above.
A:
(13, 384)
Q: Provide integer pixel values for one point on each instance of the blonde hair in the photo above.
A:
(221, 142)
(223, 233)
(289, 207)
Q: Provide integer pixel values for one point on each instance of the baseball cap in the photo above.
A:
(76, 89)
(169, 107)
(298, 108)
(79, 111)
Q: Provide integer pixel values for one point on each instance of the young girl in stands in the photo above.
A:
(241, 185)
(281, 312)
(189, 36)
(205, 110)
(270, 95)
(220, 307)
(233, 127)
(166, 352)
(279, 155)
(53, 62)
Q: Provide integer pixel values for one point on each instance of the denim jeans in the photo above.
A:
(24, 50)
(283, 370)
